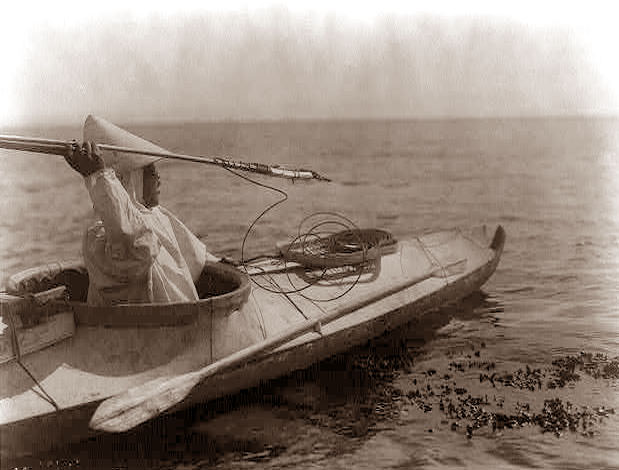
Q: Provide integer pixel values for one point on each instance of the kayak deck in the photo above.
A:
(411, 259)
(374, 318)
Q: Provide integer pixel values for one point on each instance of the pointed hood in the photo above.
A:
(101, 131)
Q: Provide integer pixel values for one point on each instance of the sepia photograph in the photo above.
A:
(309, 235)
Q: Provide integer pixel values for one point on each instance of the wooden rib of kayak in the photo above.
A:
(59, 360)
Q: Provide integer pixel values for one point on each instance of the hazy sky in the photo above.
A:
(180, 60)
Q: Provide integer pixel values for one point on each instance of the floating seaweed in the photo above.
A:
(471, 413)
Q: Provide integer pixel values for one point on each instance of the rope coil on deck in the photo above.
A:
(329, 248)
(348, 247)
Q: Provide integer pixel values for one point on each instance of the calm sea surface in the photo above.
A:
(552, 183)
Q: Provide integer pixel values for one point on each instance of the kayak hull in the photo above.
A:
(369, 322)
(44, 430)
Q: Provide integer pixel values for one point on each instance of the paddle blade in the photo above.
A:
(137, 405)
(450, 269)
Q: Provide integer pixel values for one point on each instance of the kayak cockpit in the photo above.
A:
(44, 305)
(216, 279)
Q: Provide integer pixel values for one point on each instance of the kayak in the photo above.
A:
(69, 370)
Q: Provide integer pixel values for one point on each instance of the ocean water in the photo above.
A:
(552, 183)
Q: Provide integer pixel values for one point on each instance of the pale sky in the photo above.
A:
(202, 61)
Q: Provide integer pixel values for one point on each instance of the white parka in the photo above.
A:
(134, 253)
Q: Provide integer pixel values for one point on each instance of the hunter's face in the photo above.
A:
(152, 183)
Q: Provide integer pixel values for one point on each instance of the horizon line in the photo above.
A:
(173, 120)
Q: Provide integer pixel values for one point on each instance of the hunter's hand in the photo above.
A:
(230, 261)
(85, 160)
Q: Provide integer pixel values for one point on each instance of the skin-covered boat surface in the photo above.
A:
(100, 361)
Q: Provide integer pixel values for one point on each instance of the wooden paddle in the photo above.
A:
(143, 402)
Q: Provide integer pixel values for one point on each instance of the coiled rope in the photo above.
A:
(330, 249)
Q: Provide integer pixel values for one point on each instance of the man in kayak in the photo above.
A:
(137, 251)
